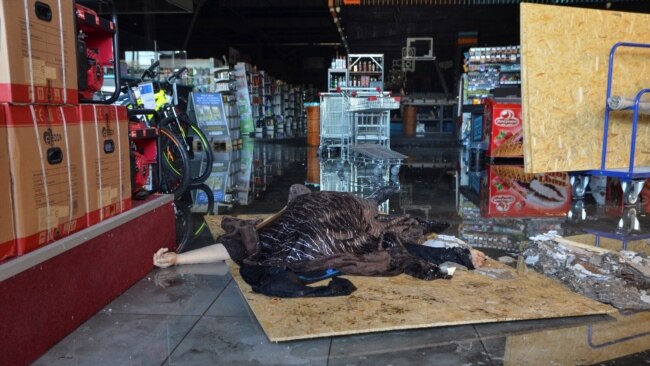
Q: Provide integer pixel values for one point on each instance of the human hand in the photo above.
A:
(163, 258)
(478, 258)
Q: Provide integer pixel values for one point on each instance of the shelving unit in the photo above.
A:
(487, 69)
(272, 107)
(225, 84)
(256, 90)
(437, 115)
(299, 125)
(277, 111)
(490, 68)
(288, 106)
(243, 96)
(336, 78)
(365, 71)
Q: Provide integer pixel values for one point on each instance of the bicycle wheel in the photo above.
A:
(174, 165)
(200, 198)
(183, 220)
(197, 146)
(191, 226)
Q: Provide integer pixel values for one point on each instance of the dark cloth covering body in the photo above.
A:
(319, 231)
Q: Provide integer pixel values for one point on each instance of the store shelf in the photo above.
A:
(365, 71)
(473, 108)
(438, 116)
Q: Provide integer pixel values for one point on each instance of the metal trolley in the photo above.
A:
(370, 113)
(632, 178)
(357, 123)
(335, 127)
(351, 118)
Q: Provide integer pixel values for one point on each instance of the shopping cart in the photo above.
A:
(335, 127)
(370, 114)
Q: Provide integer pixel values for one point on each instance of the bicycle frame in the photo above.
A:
(153, 120)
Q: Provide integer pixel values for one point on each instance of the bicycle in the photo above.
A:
(180, 124)
(196, 203)
(150, 176)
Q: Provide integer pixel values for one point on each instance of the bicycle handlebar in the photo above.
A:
(176, 75)
(150, 72)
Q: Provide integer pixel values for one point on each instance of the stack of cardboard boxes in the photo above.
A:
(64, 166)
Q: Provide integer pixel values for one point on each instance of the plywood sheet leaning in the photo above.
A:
(565, 53)
(501, 293)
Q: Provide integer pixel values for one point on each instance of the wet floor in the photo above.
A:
(195, 314)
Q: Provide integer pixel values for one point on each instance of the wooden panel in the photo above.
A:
(565, 54)
(403, 302)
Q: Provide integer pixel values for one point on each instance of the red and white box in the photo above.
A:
(504, 128)
(506, 191)
(38, 59)
(106, 163)
(7, 234)
(45, 160)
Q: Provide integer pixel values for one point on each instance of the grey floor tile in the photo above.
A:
(230, 303)
(240, 341)
(414, 338)
(497, 348)
(167, 291)
(120, 339)
(433, 346)
(417, 347)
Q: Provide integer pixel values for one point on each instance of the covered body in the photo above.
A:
(337, 230)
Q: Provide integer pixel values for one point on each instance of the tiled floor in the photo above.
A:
(195, 314)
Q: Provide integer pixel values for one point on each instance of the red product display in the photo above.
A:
(503, 128)
(506, 191)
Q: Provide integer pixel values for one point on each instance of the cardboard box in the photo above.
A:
(504, 131)
(38, 59)
(7, 234)
(506, 191)
(46, 170)
(106, 164)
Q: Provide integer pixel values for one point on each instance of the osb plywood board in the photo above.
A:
(626, 334)
(403, 302)
(564, 62)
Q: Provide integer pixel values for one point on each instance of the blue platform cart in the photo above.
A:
(632, 178)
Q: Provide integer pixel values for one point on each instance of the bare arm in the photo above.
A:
(209, 254)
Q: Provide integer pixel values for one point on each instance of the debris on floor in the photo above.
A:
(619, 278)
